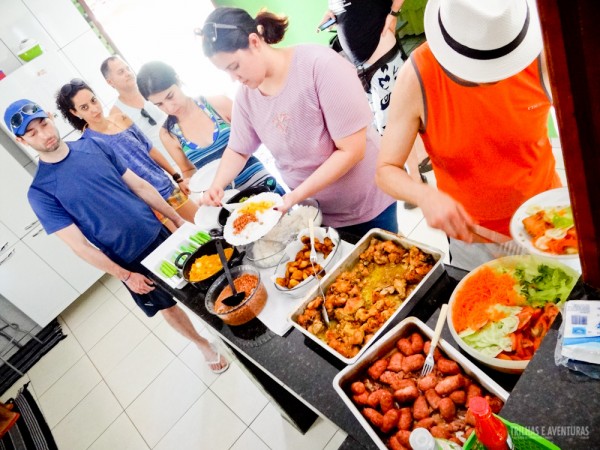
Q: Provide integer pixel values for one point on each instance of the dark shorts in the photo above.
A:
(387, 220)
(158, 299)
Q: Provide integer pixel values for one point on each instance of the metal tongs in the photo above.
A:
(505, 245)
(313, 260)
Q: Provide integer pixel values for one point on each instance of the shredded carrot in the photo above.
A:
(483, 289)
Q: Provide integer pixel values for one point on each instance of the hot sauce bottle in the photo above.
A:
(489, 429)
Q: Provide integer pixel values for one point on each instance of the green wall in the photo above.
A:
(304, 16)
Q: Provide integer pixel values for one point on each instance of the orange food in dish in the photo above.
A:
(207, 265)
(242, 221)
(483, 289)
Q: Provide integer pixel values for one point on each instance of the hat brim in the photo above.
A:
(27, 120)
(483, 71)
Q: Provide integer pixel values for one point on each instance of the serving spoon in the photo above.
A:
(237, 297)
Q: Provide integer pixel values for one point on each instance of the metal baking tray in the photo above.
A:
(346, 263)
(385, 346)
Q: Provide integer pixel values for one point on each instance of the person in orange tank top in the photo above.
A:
(476, 93)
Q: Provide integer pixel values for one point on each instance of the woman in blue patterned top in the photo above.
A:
(82, 109)
(196, 131)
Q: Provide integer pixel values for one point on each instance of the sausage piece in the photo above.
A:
(448, 367)
(459, 397)
(373, 416)
(406, 394)
(473, 391)
(432, 398)
(405, 346)
(394, 379)
(390, 420)
(427, 382)
(447, 409)
(394, 444)
(440, 432)
(427, 422)
(361, 399)
(377, 368)
(406, 419)
(420, 408)
(449, 384)
(413, 363)
(396, 362)
(358, 387)
(403, 437)
(416, 343)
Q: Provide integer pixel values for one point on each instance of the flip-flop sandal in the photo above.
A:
(217, 361)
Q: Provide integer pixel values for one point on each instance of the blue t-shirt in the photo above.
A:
(86, 189)
(134, 148)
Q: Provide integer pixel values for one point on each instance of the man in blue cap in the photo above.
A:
(84, 194)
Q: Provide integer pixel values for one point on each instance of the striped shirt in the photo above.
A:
(253, 173)
(322, 101)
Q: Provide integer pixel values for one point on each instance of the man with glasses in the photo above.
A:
(147, 116)
(83, 193)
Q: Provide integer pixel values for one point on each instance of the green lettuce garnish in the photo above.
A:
(565, 220)
(541, 283)
(493, 338)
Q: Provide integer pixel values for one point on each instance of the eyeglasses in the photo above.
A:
(74, 83)
(209, 30)
(26, 110)
(145, 114)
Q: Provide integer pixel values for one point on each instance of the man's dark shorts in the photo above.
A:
(157, 299)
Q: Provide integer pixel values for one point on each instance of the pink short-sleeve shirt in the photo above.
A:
(322, 101)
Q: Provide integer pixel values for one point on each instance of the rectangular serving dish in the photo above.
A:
(346, 263)
(171, 245)
(383, 347)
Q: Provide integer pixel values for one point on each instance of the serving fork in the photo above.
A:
(313, 259)
(429, 361)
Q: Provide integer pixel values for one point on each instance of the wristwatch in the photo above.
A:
(177, 177)
(394, 13)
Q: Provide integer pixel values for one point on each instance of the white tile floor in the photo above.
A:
(121, 381)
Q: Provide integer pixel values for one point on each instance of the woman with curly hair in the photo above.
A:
(81, 108)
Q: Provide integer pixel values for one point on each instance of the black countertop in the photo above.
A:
(555, 402)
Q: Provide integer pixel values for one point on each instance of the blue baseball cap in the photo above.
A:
(18, 115)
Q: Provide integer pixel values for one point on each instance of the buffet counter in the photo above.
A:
(298, 374)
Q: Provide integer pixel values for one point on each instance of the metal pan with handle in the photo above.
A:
(185, 260)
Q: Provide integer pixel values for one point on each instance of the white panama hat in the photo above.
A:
(483, 40)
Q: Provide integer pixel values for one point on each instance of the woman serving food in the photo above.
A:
(323, 142)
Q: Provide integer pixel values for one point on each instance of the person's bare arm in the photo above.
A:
(146, 192)
(350, 150)
(404, 120)
(159, 159)
(392, 21)
(230, 166)
(75, 239)
(223, 105)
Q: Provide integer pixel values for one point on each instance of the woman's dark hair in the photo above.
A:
(156, 76)
(64, 101)
(267, 25)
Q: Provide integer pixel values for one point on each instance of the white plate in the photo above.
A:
(555, 197)
(207, 217)
(204, 176)
(254, 230)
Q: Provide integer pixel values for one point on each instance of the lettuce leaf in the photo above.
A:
(541, 283)
(494, 338)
